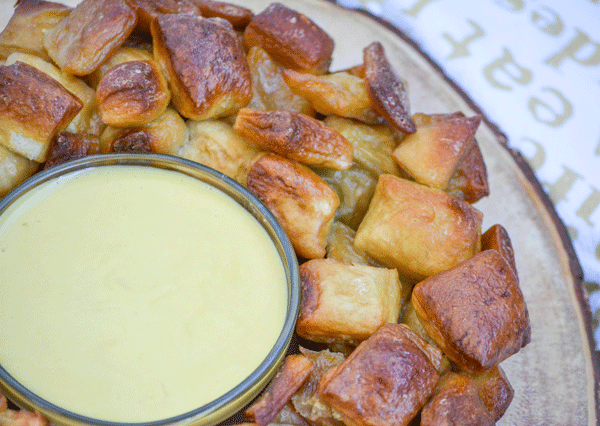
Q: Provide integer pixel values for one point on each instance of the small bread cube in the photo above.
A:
(387, 91)
(215, 144)
(355, 188)
(302, 202)
(342, 302)
(385, 381)
(495, 391)
(149, 10)
(238, 16)
(33, 109)
(24, 32)
(475, 311)
(70, 146)
(340, 246)
(373, 144)
(165, 135)
(497, 238)
(14, 169)
(290, 377)
(456, 402)
(288, 416)
(306, 401)
(10, 417)
(89, 35)
(291, 39)
(87, 121)
(269, 91)
(205, 64)
(340, 93)
(432, 154)
(419, 230)
(132, 93)
(470, 181)
(295, 136)
(123, 54)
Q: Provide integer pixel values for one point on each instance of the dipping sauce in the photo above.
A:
(135, 294)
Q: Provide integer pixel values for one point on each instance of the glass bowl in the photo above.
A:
(229, 403)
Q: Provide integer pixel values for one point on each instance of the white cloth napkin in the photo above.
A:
(533, 68)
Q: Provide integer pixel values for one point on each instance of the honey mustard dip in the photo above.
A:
(134, 294)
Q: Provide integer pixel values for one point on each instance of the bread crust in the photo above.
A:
(132, 93)
(89, 35)
(24, 32)
(291, 39)
(33, 108)
(433, 153)
(342, 302)
(456, 402)
(205, 65)
(70, 146)
(302, 202)
(385, 381)
(387, 91)
(475, 312)
(295, 136)
(419, 230)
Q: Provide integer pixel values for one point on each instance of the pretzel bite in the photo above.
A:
(24, 32)
(475, 311)
(373, 144)
(215, 144)
(165, 135)
(205, 65)
(89, 35)
(385, 381)
(387, 91)
(470, 182)
(22, 418)
(291, 375)
(70, 146)
(339, 93)
(497, 238)
(291, 39)
(456, 402)
(340, 246)
(122, 54)
(238, 16)
(290, 417)
(295, 136)
(432, 154)
(307, 401)
(87, 120)
(14, 169)
(495, 391)
(149, 10)
(269, 90)
(419, 230)
(342, 302)
(302, 202)
(355, 188)
(132, 93)
(33, 109)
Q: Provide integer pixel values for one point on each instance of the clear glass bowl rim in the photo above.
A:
(229, 403)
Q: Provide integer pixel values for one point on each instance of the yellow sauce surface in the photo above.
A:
(134, 294)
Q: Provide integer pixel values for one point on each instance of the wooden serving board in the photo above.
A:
(556, 377)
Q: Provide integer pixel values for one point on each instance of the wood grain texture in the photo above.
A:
(557, 377)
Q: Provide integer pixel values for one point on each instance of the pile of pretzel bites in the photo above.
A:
(408, 307)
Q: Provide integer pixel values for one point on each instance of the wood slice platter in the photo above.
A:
(556, 377)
